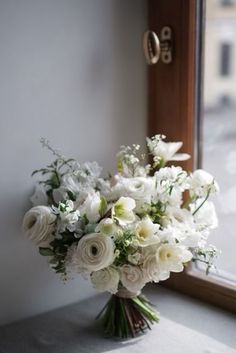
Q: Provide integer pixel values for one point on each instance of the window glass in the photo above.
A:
(225, 59)
(219, 126)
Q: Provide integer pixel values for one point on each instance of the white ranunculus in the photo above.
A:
(106, 279)
(152, 270)
(132, 278)
(94, 252)
(171, 257)
(123, 210)
(91, 207)
(202, 183)
(38, 224)
(146, 232)
(39, 197)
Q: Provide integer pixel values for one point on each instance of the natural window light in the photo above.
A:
(219, 127)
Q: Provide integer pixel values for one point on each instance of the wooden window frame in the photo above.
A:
(174, 108)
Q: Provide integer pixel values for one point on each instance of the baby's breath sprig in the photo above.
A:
(206, 256)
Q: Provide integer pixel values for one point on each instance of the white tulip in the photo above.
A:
(132, 278)
(107, 226)
(106, 279)
(38, 224)
(91, 207)
(94, 252)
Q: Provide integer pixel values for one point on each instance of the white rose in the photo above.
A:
(140, 188)
(94, 252)
(202, 184)
(91, 207)
(171, 257)
(132, 278)
(106, 279)
(38, 224)
(135, 258)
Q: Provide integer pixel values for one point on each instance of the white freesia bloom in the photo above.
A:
(123, 210)
(202, 184)
(146, 232)
(152, 270)
(106, 279)
(38, 224)
(171, 257)
(132, 278)
(91, 207)
(107, 226)
(39, 197)
(166, 151)
(178, 216)
(94, 252)
(180, 225)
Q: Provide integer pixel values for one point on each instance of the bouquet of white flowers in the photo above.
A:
(125, 230)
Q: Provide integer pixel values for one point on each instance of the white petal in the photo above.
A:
(180, 157)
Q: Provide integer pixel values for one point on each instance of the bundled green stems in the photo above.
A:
(127, 315)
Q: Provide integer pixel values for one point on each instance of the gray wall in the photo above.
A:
(71, 71)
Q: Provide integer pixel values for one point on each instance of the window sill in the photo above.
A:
(186, 325)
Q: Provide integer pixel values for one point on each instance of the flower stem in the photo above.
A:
(127, 317)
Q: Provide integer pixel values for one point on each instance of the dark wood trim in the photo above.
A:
(209, 289)
(171, 87)
(173, 105)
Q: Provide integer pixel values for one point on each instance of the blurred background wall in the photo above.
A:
(71, 71)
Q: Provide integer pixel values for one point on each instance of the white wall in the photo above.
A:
(72, 71)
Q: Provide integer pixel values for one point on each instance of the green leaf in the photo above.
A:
(46, 251)
(71, 195)
(103, 206)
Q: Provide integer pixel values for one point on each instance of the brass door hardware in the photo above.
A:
(155, 49)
